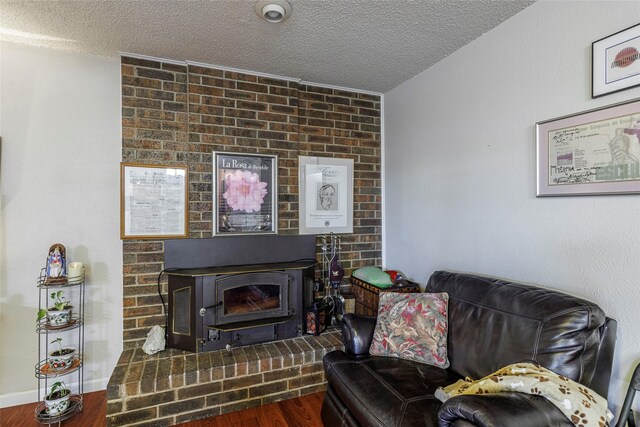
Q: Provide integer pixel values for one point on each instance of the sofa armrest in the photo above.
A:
(357, 333)
(501, 409)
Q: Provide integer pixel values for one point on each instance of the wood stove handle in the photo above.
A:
(203, 310)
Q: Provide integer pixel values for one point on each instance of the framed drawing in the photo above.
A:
(326, 195)
(593, 152)
(615, 62)
(245, 194)
(153, 201)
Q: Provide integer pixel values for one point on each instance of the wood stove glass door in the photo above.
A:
(252, 296)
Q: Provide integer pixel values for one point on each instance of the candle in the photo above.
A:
(75, 270)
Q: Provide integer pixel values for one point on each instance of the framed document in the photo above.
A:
(615, 62)
(326, 195)
(153, 201)
(593, 152)
(245, 194)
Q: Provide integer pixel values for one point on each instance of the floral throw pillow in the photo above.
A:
(412, 326)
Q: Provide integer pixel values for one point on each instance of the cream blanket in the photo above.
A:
(581, 405)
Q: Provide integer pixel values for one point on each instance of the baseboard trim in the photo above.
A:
(31, 396)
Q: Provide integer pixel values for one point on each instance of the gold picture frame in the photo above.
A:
(154, 201)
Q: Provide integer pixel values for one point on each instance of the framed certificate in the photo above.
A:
(593, 152)
(153, 201)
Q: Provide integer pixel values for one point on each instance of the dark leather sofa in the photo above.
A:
(492, 323)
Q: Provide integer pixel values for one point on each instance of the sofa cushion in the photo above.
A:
(386, 391)
(513, 322)
(413, 327)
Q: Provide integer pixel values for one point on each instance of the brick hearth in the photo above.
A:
(174, 386)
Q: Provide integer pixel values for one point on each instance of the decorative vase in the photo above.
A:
(58, 317)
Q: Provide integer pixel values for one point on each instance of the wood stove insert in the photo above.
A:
(234, 305)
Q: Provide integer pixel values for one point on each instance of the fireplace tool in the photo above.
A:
(331, 304)
(318, 314)
(333, 274)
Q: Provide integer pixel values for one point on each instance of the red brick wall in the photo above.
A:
(174, 114)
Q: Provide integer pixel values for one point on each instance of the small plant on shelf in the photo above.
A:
(62, 358)
(57, 401)
(60, 313)
(59, 301)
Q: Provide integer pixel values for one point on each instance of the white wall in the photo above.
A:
(460, 168)
(61, 142)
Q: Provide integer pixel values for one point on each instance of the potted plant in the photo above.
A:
(57, 401)
(60, 313)
(62, 357)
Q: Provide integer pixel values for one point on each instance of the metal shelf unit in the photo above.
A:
(71, 332)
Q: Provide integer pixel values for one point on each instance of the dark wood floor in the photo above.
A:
(298, 412)
(93, 415)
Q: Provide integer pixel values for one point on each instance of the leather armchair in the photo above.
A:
(492, 323)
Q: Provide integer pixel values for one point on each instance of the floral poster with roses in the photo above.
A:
(245, 193)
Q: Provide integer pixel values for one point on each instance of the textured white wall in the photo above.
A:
(460, 168)
(60, 183)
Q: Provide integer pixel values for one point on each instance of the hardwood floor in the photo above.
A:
(298, 412)
(93, 415)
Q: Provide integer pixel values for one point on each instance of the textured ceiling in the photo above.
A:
(370, 45)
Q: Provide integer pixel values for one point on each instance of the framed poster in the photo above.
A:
(245, 194)
(615, 62)
(593, 152)
(326, 195)
(153, 201)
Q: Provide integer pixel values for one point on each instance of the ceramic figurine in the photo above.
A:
(56, 270)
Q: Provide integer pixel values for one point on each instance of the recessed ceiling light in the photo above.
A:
(273, 10)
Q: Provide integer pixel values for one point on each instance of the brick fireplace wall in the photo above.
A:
(179, 114)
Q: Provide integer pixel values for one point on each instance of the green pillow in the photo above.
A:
(373, 276)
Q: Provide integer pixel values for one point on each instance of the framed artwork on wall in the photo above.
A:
(589, 153)
(326, 195)
(615, 62)
(245, 193)
(153, 201)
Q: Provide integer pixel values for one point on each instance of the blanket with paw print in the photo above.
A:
(580, 404)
